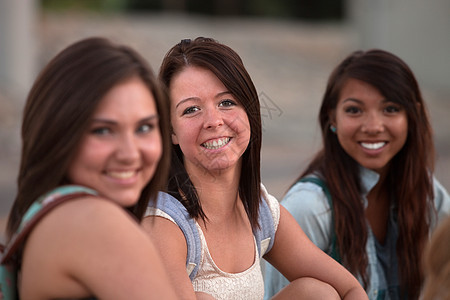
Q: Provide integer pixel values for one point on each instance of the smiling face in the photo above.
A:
(209, 124)
(370, 128)
(119, 153)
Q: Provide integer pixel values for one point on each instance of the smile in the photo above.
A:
(216, 144)
(121, 175)
(373, 146)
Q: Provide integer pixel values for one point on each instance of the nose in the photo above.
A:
(373, 123)
(127, 149)
(213, 119)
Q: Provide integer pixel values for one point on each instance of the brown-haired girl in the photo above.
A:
(369, 197)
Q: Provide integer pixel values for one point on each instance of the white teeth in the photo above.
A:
(373, 146)
(122, 175)
(216, 144)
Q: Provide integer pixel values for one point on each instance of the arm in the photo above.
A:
(309, 206)
(295, 256)
(173, 251)
(90, 247)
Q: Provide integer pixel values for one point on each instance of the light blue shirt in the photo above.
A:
(308, 204)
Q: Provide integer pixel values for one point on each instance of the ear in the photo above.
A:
(418, 106)
(174, 138)
(332, 117)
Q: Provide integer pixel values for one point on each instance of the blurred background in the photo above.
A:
(288, 46)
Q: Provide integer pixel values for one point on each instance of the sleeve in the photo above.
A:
(441, 202)
(308, 204)
(273, 204)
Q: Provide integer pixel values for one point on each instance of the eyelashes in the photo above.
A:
(226, 103)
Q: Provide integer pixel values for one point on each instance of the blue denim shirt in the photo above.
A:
(314, 216)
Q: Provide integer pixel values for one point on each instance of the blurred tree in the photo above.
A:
(93, 5)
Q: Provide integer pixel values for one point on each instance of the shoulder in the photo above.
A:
(85, 218)
(273, 204)
(441, 199)
(168, 217)
(74, 240)
(305, 198)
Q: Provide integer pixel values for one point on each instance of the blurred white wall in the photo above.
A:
(17, 45)
(418, 31)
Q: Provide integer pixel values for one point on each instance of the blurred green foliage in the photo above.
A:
(84, 5)
(298, 9)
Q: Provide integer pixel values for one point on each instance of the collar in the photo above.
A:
(368, 179)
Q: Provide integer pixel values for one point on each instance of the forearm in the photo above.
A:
(355, 293)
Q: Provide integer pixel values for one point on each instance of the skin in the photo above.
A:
(204, 112)
(215, 175)
(372, 130)
(66, 243)
(119, 154)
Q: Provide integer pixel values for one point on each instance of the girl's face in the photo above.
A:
(209, 124)
(119, 153)
(370, 128)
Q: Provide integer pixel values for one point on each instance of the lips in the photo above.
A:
(373, 146)
(216, 144)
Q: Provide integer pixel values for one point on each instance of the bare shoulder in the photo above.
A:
(68, 241)
(73, 225)
(158, 228)
(173, 252)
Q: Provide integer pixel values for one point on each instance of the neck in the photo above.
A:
(218, 191)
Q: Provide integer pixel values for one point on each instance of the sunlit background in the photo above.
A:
(288, 46)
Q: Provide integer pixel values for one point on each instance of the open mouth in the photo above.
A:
(373, 146)
(216, 144)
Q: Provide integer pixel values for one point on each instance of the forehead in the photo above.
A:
(131, 96)
(355, 89)
(195, 81)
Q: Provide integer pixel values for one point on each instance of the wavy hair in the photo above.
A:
(409, 178)
(226, 64)
(58, 111)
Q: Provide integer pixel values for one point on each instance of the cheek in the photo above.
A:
(239, 123)
(401, 129)
(83, 163)
(185, 131)
(153, 150)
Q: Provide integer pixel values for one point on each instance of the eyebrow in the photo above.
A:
(352, 99)
(361, 102)
(198, 99)
(112, 122)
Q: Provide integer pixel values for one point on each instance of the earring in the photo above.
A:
(333, 128)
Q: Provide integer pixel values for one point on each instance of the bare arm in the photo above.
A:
(295, 256)
(93, 247)
(171, 243)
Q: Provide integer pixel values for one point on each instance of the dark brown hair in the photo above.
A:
(58, 111)
(226, 64)
(409, 178)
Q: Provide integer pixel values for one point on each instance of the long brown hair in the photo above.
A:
(226, 64)
(59, 108)
(409, 178)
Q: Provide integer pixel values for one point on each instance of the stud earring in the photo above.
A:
(333, 128)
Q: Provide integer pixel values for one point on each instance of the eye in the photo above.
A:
(391, 109)
(190, 110)
(144, 128)
(227, 103)
(352, 110)
(101, 131)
